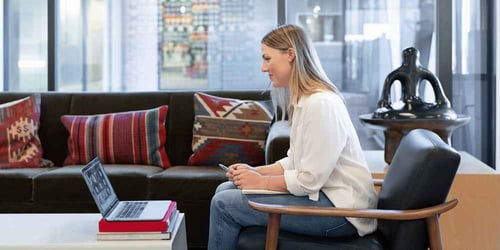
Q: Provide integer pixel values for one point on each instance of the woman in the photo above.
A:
(325, 165)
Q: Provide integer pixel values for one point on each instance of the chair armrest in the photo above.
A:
(378, 182)
(278, 141)
(357, 213)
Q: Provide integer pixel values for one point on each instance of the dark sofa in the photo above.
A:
(62, 189)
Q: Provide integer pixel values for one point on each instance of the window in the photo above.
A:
(149, 45)
(213, 44)
(497, 92)
(360, 42)
(472, 76)
(80, 46)
(25, 46)
(168, 44)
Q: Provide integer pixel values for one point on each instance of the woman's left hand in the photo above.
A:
(248, 179)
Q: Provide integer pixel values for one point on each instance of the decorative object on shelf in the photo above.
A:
(411, 112)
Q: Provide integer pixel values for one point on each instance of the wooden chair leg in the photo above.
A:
(434, 233)
(273, 228)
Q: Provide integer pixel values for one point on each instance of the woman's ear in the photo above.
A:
(291, 54)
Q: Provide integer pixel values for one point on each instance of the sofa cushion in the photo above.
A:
(227, 130)
(20, 146)
(187, 183)
(52, 133)
(17, 184)
(66, 184)
(136, 137)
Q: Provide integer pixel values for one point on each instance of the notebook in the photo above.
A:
(113, 209)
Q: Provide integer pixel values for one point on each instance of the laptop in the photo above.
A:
(110, 207)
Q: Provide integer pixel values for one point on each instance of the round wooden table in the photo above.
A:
(395, 129)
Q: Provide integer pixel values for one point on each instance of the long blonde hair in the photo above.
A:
(307, 76)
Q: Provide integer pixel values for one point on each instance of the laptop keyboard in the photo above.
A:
(132, 209)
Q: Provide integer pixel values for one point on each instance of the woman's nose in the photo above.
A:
(264, 67)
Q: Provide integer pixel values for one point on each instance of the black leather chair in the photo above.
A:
(411, 199)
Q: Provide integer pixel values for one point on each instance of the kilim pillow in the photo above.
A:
(229, 130)
(20, 146)
(135, 137)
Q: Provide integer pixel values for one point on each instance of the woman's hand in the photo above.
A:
(234, 167)
(248, 178)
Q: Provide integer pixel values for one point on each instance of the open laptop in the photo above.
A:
(110, 207)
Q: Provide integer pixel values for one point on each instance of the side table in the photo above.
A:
(395, 129)
(73, 231)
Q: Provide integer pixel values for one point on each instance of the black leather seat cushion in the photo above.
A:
(254, 238)
(17, 184)
(66, 184)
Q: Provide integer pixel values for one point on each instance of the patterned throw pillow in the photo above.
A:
(20, 146)
(229, 130)
(136, 137)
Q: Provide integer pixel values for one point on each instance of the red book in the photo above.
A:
(139, 226)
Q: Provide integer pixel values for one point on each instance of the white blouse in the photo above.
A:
(325, 155)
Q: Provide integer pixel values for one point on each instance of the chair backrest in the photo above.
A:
(420, 175)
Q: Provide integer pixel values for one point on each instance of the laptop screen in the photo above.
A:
(99, 186)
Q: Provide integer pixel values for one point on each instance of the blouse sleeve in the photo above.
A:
(286, 162)
(324, 136)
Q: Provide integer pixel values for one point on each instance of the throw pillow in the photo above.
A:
(20, 146)
(229, 130)
(135, 137)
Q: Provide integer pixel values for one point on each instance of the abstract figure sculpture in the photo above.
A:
(399, 118)
(411, 74)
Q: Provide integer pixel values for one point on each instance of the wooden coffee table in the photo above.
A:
(72, 231)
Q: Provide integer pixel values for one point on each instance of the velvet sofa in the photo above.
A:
(61, 189)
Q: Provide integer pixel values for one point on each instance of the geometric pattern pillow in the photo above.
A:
(135, 137)
(20, 146)
(228, 131)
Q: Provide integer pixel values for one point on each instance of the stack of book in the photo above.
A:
(140, 230)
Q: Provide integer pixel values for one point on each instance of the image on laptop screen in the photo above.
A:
(101, 189)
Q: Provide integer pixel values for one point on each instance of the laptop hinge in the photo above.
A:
(115, 204)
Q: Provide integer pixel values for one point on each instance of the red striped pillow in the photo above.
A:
(136, 137)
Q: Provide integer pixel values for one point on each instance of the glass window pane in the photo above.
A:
(80, 46)
(27, 45)
(70, 46)
(1, 47)
(140, 45)
(470, 76)
(360, 43)
(214, 44)
(96, 17)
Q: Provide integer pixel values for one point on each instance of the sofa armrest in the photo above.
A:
(278, 141)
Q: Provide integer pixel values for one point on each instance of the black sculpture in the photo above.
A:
(411, 74)
(412, 112)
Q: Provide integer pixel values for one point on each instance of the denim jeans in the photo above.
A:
(229, 212)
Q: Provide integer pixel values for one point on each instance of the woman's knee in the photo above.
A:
(225, 186)
(228, 198)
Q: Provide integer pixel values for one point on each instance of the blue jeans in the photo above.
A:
(229, 212)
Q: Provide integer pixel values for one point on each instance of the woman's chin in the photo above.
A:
(277, 84)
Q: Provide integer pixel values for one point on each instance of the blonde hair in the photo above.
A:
(307, 76)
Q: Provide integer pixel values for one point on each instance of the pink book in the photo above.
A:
(139, 226)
